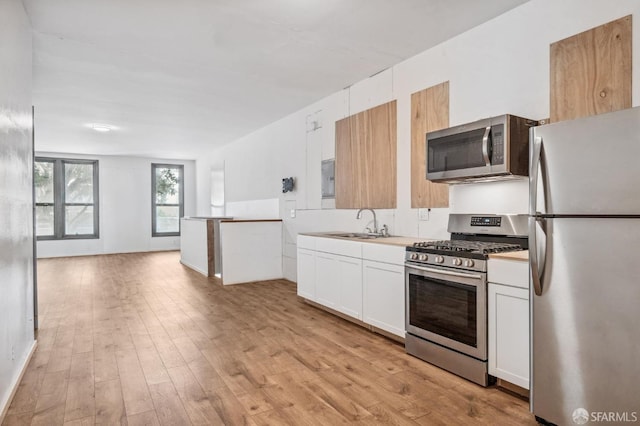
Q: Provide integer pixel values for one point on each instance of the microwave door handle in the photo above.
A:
(485, 146)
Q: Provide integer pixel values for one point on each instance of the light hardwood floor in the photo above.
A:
(139, 339)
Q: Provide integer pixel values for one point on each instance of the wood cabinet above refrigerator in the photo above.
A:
(591, 71)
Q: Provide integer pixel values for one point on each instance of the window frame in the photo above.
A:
(59, 199)
(154, 204)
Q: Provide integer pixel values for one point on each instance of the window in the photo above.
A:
(66, 198)
(167, 208)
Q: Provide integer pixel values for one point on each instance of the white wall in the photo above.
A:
(499, 67)
(16, 239)
(125, 208)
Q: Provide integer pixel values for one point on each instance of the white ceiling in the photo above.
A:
(177, 76)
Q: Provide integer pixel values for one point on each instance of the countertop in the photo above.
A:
(522, 255)
(394, 241)
(227, 219)
(207, 217)
(250, 220)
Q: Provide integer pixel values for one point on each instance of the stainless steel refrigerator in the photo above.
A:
(584, 247)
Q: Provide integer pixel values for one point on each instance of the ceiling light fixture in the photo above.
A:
(101, 128)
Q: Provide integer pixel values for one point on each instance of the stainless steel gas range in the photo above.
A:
(446, 292)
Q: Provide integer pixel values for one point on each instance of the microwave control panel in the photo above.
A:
(497, 139)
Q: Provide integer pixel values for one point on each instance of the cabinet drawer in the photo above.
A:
(341, 247)
(307, 242)
(513, 273)
(383, 253)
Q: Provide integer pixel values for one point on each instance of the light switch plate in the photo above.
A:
(423, 214)
(293, 213)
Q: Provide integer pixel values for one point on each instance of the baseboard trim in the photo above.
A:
(513, 389)
(15, 385)
(108, 254)
(194, 268)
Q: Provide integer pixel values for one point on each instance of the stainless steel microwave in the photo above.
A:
(495, 148)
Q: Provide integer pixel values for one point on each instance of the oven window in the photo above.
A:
(444, 308)
(456, 152)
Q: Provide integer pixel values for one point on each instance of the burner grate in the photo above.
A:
(480, 247)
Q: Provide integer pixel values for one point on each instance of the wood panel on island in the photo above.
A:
(591, 71)
(429, 112)
(366, 159)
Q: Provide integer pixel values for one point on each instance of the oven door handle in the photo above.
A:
(443, 272)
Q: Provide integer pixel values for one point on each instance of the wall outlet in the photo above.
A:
(293, 213)
(13, 352)
(423, 214)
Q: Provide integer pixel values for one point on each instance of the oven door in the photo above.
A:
(447, 307)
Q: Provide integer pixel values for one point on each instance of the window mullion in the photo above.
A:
(96, 201)
(59, 193)
(181, 198)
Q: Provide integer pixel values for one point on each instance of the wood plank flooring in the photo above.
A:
(139, 339)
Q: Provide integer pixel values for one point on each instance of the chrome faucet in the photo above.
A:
(375, 221)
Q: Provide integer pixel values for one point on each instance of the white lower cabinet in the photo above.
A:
(509, 334)
(307, 273)
(350, 279)
(339, 283)
(383, 296)
(327, 280)
(364, 281)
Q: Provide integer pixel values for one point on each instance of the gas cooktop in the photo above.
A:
(457, 253)
(462, 247)
(473, 239)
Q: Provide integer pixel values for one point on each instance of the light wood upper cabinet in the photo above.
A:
(429, 112)
(366, 159)
(347, 174)
(591, 71)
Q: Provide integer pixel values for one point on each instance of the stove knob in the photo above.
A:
(439, 259)
(423, 257)
(414, 256)
(469, 263)
(456, 262)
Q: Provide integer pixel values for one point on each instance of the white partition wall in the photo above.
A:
(501, 66)
(16, 244)
(251, 251)
(193, 245)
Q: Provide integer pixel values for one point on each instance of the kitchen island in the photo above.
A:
(200, 244)
(251, 250)
(234, 250)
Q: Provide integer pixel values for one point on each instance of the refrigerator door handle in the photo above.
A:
(485, 146)
(533, 220)
(533, 175)
(536, 275)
